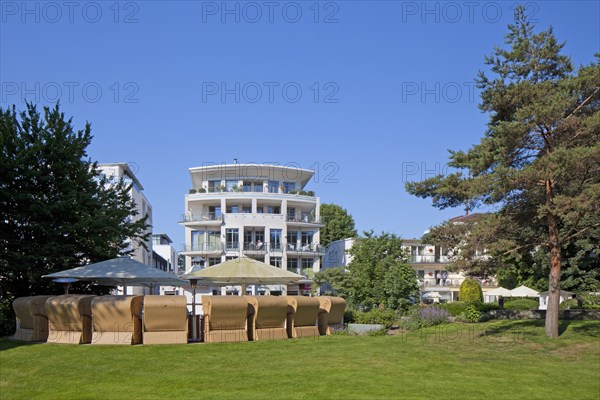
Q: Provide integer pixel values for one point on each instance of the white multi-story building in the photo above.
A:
(162, 247)
(430, 263)
(114, 172)
(259, 211)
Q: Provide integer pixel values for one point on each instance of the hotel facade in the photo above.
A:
(259, 211)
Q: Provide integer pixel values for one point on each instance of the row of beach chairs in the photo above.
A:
(81, 319)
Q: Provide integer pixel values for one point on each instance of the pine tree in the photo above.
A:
(538, 162)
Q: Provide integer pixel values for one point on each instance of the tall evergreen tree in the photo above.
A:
(56, 210)
(339, 224)
(538, 163)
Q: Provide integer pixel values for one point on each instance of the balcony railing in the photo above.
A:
(310, 219)
(429, 258)
(204, 247)
(305, 248)
(232, 246)
(201, 216)
(262, 247)
(241, 189)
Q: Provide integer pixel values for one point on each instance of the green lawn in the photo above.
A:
(510, 360)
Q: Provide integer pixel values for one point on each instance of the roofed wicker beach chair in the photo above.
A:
(70, 318)
(117, 320)
(225, 319)
(32, 319)
(267, 317)
(303, 313)
(165, 320)
(331, 314)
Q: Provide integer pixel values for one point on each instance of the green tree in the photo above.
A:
(538, 163)
(339, 224)
(57, 210)
(470, 291)
(377, 275)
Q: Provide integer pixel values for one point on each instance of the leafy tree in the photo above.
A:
(338, 224)
(470, 291)
(57, 210)
(377, 275)
(538, 163)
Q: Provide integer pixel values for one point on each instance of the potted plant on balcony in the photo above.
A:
(281, 189)
(201, 190)
(222, 188)
(192, 191)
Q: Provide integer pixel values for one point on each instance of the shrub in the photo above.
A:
(310, 193)
(349, 316)
(201, 190)
(521, 304)
(569, 304)
(302, 192)
(470, 291)
(590, 299)
(7, 318)
(431, 315)
(192, 191)
(485, 307)
(384, 317)
(455, 308)
(472, 313)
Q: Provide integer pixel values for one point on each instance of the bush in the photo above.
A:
(431, 315)
(470, 291)
(569, 304)
(384, 317)
(349, 316)
(192, 191)
(591, 299)
(521, 304)
(302, 192)
(7, 318)
(310, 193)
(472, 313)
(201, 190)
(485, 307)
(455, 308)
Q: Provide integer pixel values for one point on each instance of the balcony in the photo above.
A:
(262, 248)
(254, 190)
(303, 219)
(309, 248)
(204, 217)
(232, 246)
(204, 248)
(428, 259)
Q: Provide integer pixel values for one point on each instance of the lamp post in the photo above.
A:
(194, 284)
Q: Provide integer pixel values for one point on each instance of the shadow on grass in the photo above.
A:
(528, 327)
(590, 328)
(6, 344)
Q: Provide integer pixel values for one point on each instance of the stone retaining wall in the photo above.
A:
(586, 315)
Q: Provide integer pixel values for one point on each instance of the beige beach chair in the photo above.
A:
(165, 320)
(303, 313)
(267, 317)
(225, 319)
(117, 320)
(32, 319)
(331, 314)
(70, 318)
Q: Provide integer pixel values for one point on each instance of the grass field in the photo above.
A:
(499, 360)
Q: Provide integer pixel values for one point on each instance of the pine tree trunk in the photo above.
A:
(555, 264)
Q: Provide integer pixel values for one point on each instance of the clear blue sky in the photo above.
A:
(394, 88)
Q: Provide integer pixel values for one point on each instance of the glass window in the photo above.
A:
(197, 240)
(231, 185)
(214, 211)
(276, 262)
(292, 264)
(260, 209)
(292, 240)
(291, 214)
(273, 210)
(275, 239)
(233, 209)
(273, 187)
(288, 187)
(232, 239)
(247, 186)
(307, 238)
(214, 186)
(246, 209)
(214, 240)
(214, 261)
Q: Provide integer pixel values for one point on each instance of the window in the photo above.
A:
(273, 187)
(246, 209)
(292, 264)
(214, 260)
(306, 240)
(273, 210)
(232, 238)
(214, 211)
(275, 239)
(307, 267)
(231, 185)
(247, 186)
(233, 209)
(291, 214)
(214, 186)
(276, 262)
(292, 240)
(214, 240)
(197, 240)
(260, 210)
(288, 187)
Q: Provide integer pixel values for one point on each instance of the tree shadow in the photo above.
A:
(6, 344)
(563, 324)
(589, 328)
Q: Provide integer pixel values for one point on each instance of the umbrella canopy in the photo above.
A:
(563, 293)
(244, 271)
(120, 271)
(523, 291)
(432, 295)
(498, 292)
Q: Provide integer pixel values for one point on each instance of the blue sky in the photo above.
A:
(367, 93)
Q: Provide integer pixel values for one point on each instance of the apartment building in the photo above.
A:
(258, 210)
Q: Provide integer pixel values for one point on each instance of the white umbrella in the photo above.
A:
(523, 291)
(498, 292)
(123, 271)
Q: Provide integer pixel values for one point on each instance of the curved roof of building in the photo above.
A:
(250, 171)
